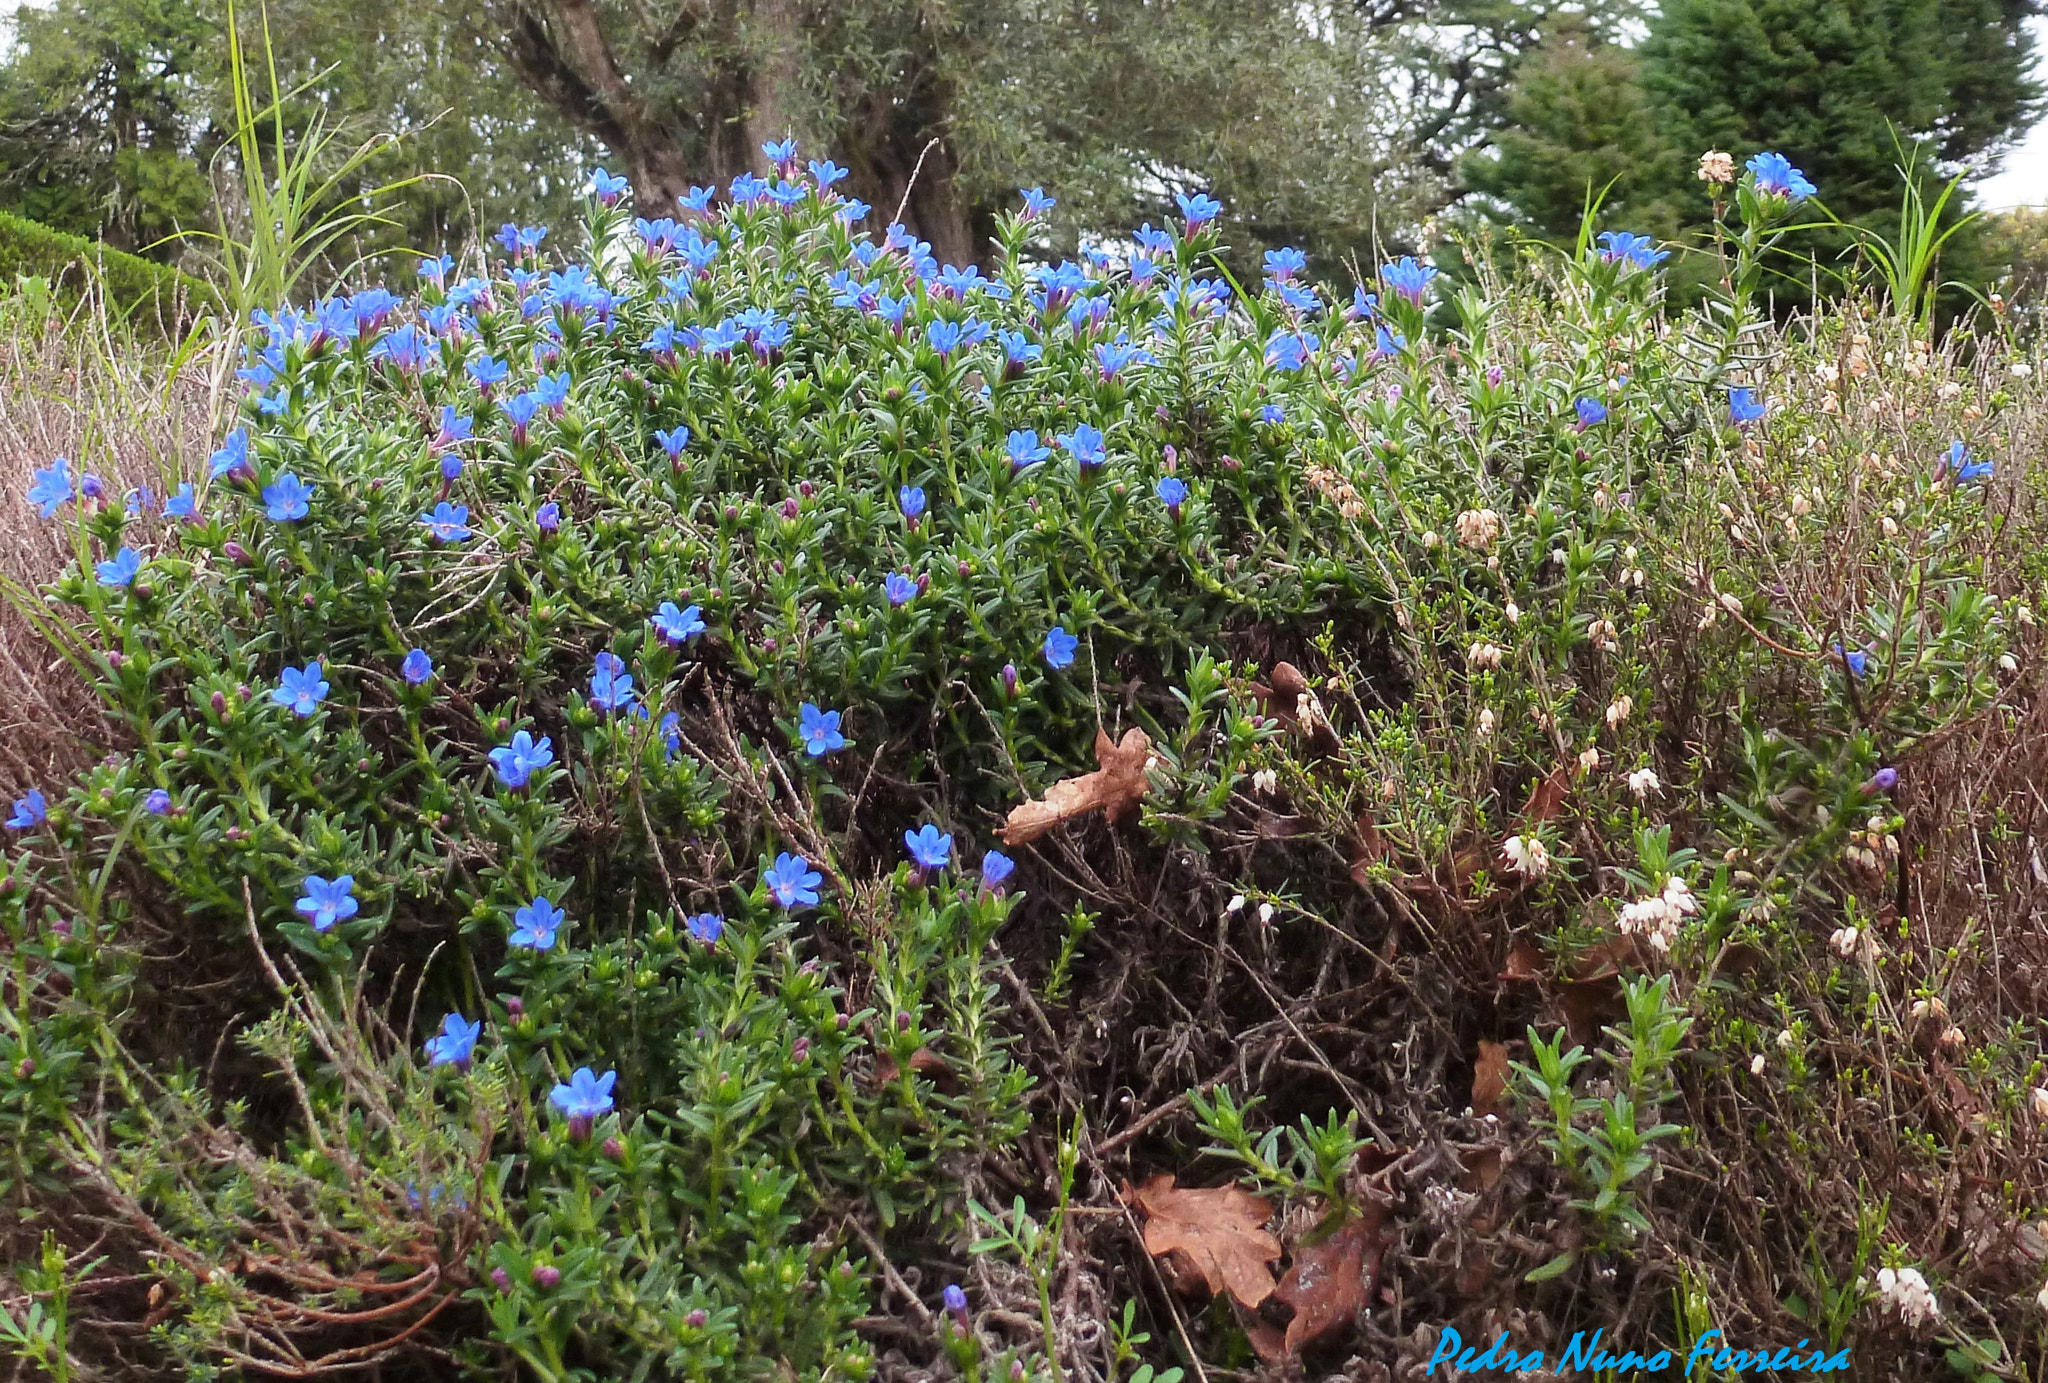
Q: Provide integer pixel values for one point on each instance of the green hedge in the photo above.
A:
(136, 288)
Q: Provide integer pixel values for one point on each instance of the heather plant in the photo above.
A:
(572, 740)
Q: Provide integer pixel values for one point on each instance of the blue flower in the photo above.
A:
(184, 504)
(1036, 203)
(1085, 445)
(1152, 241)
(943, 337)
(516, 761)
(285, 498)
(819, 730)
(456, 1043)
(417, 667)
(436, 269)
(1284, 264)
(678, 626)
(1591, 412)
(121, 569)
(1059, 647)
(455, 427)
(548, 517)
(327, 901)
(899, 588)
(1024, 449)
(1273, 413)
(29, 812)
(520, 410)
(585, 1096)
(996, 867)
(1199, 209)
(853, 210)
(608, 187)
(232, 456)
(827, 173)
(1289, 350)
(930, 847)
(553, 390)
(52, 486)
(1172, 492)
(1408, 278)
(748, 189)
(779, 151)
(449, 523)
(1019, 350)
(1637, 251)
(611, 686)
(910, 499)
(955, 1299)
(534, 926)
(1744, 406)
(1966, 470)
(674, 440)
(697, 199)
(1363, 304)
(671, 735)
(1111, 357)
(1775, 176)
(157, 803)
(451, 467)
(487, 371)
(705, 928)
(792, 881)
(300, 688)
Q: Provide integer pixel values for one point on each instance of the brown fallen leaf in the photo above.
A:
(925, 1062)
(1329, 1282)
(1525, 962)
(1113, 789)
(1489, 1077)
(1219, 1233)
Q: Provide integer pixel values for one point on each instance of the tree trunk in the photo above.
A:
(559, 48)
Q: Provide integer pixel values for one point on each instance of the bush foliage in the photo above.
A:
(135, 288)
(557, 908)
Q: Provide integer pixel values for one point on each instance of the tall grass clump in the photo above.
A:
(712, 797)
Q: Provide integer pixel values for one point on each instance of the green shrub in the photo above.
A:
(497, 941)
(136, 288)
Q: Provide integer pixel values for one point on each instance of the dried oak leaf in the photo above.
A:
(1489, 1077)
(1113, 789)
(1218, 1232)
(1328, 1284)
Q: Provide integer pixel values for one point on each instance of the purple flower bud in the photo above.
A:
(966, 570)
(924, 582)
(840, 1022)
(790, 507)
(614, 1149)
(515, 1006)
(1493, 376)
(696, 1320)
(238, 554)
(579, 1127)
(732, 511)
(903, 1022)
(116, 659)
(803, 487)
(956, 1303)
(1017, 1371)
(546, 1275)
(1884, 780)
(801, 1051)
(502, 1278)
(25, 1068)
(219, 704)
(1171, 455)
(1010, 680)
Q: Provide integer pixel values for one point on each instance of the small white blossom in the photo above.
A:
(1236, 904)
(1526, 856)
(1478, 528)
(1589, 757)
(1619, 711)
(1643, 782)
(1265, 913)
(1266, 781)
(1486, 722)
(1756, 1064)
(1785, 1039)
(2038, 1099)
(1843, 941)
(1513, 612)
(1906, 1291)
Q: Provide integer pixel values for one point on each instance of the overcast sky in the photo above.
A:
(2024, 180)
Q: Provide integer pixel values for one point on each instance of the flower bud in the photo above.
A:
(237, 554)
(614, 1149)
(219, 703)
(502, 1279)
(25, 1068)
(143, 590)
(116, 659)
(804, 488)
(790, 507)
(546, 1275)
(800, 1052)
(903, 1022)
(1171, 456)
(515, 1006)
(1010, 680)
(696, 1320)
(966, 570)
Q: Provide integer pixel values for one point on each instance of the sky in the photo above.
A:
(2024, 179)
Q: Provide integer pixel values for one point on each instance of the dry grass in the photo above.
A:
(134, 414)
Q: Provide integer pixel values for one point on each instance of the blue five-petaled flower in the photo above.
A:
(611, 686)
(899, 588)
(1059, 647)
(792, 882)
(678, 626)
(302, 689)
(327, 901)
(515, 762)
(120, 569)
(819, 730)
(705, 928)
(1775, 176)
(1744, 406)
(534, 926)
(585, 1095)
(29, 812)
(456, 1043)
(996, 867)
(929, 846)
(285, 499)
(449, 523)
(52, 486)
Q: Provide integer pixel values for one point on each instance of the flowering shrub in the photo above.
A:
(575, 711)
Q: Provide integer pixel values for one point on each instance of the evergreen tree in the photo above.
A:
(1843, 87)
(1578, 123)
